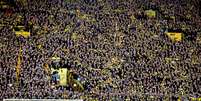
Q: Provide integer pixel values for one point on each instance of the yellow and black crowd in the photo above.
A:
(117, 50)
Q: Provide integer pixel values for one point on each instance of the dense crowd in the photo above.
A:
(118, 52)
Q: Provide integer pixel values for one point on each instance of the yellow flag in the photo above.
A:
(174, 36)
(63, 76)
(22, 33)
(150, 13)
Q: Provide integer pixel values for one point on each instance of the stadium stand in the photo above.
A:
(118, 50)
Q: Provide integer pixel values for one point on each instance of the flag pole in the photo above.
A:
(18, 65)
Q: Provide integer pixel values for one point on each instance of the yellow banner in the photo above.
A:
(63, 76)
(22, 33)
(174, 36)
